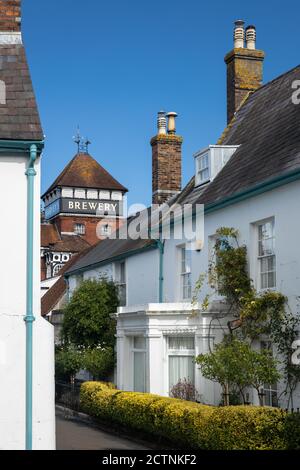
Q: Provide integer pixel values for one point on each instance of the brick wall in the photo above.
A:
(66, 224)
(10, 15)
(244, 74)
(166, 167)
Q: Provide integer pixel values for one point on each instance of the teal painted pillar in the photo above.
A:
(29, 318)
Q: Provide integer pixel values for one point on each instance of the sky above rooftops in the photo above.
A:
(110, 66)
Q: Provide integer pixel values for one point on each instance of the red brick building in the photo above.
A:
(85, 204)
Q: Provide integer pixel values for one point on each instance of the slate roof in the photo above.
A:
(57, 291)
(108, 249)
(50, 238)
(19, 116)
(267, 128)
(84, 171)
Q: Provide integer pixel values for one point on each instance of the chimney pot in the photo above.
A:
(162, 123)
(251, 37)
(239, 34)
(172, 123)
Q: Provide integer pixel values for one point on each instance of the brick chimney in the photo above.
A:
(244, 67)
(166, 159)
(10, 16)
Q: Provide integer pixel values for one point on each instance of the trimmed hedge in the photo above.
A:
(188, 424)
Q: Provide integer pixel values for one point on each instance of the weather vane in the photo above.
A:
(81, 142)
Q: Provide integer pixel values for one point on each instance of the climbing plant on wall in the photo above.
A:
(251, 314)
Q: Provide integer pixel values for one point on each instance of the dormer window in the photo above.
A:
(211, 160)
(203, 170)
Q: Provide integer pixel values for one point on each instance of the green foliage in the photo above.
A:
(87, 321)
(229, 271)
(255, 314)
(236, 366)
(188, 424)
(292, 431)
(99, 362)
(68, 362)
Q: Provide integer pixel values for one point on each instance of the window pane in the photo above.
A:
(266, 247)
(271, 280)
(139, 372)
(139, 342)
(180, 368)
(266, 231)
(264, 281)
(182, 343)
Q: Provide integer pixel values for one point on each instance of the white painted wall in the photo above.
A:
(283, 204)
(142, 277)
(13, 194)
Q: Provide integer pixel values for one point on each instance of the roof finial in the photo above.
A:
(81, 142)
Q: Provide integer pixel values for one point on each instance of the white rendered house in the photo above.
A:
(249, 181)
(27, 418)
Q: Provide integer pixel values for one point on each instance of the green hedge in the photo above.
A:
(189, 424)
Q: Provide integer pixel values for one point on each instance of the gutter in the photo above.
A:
(256, 190)
(120, 257)
(161, 247)
(29, 318)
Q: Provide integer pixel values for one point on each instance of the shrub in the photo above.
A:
(292, 431)
(99, 362)
(189, 424)
(68, 361)
(185, 390)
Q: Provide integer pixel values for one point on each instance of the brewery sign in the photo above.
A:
(97, 208)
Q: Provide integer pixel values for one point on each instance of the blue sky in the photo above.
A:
(110, 66)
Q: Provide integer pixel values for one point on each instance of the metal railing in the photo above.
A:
(68, 395)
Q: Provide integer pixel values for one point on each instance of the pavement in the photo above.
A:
(74, 435)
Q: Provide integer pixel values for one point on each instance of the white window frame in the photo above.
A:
(104, 195)
(92, 194)
(203, 171)
(143, 351)
(116, 196)
(67, 193)
(185, 273)
(106, 233)
(269, 389)
(121, 282)
(260, 257)
(178, 353)
(80, 193)
(81, 230)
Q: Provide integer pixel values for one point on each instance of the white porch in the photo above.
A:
(157, 344)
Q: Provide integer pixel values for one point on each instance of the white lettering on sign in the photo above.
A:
(91, 206)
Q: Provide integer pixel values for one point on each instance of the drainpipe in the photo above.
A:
(29, 318)
(161, 247)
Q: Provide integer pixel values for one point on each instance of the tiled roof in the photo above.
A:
(267, 128)
(19, 117)
(57, 291)
(85, 172)
(108, 249)
(50, 238)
